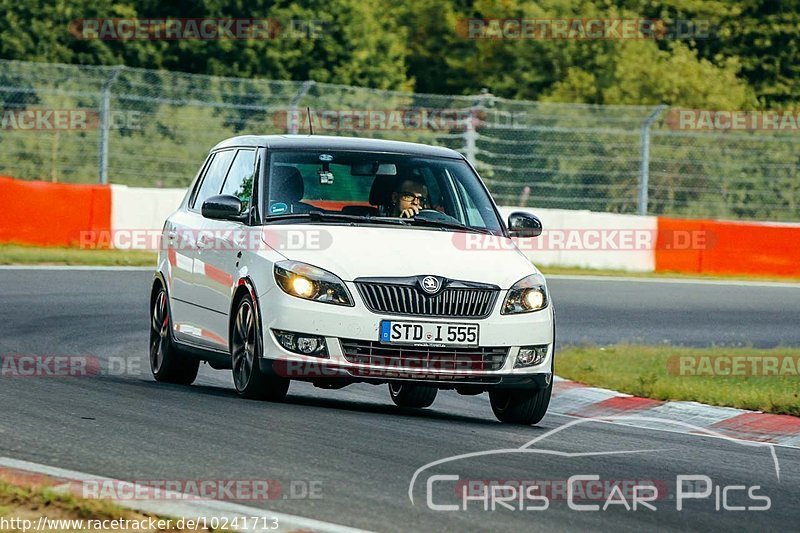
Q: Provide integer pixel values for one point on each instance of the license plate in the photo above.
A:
(428, 333)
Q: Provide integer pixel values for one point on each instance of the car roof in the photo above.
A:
(330, 142)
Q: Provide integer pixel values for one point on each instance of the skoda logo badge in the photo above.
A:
(430, 284)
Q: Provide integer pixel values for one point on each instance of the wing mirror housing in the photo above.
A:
(521, 224)
(223, 207)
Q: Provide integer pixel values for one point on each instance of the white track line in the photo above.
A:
(633, 425)
(191, 509)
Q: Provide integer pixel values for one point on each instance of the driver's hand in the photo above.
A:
(410, 212)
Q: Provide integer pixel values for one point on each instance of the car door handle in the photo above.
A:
(202, 242)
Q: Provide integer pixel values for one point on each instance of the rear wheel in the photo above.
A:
(520, 406)
(246, 347)
(167, 362)
(407, 395)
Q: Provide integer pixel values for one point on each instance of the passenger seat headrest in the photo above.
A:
(382, 189)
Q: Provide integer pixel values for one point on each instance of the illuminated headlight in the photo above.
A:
(311, 283)
(527, 295)
(302, 343)
(531, 356)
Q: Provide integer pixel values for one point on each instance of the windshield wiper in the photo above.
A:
(322, 216)
(444, 224)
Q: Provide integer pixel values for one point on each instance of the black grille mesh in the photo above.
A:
(409, 300)
(374, 353)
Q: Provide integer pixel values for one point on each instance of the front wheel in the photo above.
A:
(520, 406)
(249, 380)
(168, 363)
(416, 396)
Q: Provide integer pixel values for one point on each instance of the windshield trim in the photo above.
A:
(266, 172)
(341, 219)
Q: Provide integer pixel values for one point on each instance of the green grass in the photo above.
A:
(654, 372)
(16, 497)
(574, 271)
(30, 502)
(14, 254)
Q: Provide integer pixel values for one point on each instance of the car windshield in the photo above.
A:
(375, 188)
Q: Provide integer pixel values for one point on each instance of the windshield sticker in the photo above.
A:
(325, 177)
(278, 208)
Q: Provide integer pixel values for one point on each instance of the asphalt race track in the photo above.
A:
(354, 444)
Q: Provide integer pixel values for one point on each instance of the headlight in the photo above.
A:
(527, 295)
(311, 283)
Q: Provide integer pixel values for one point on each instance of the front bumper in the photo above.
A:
(279, 311)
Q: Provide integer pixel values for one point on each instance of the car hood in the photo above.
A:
(352, 252)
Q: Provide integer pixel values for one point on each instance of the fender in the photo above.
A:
(219, 359)
(264, 364)
(248, 283)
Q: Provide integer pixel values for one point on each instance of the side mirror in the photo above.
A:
(524, 225)
(223, 207)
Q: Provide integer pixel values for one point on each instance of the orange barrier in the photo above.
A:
(55, 214)
(333, 205)
(52, 214)
(715, 247)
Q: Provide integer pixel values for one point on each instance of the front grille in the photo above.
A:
(373, 353)
(409, 300)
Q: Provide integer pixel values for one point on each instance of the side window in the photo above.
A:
(192, 193)
(215, 175)
(240, 177)
(474, 217)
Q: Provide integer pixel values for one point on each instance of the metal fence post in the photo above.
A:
(104, 122)
(293, 125)
(470, 148)
(644, 170)
(470, 136)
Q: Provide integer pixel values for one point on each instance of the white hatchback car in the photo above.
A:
(341, 260)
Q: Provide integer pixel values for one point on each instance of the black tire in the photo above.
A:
(246, 349)
(520, 406)
(524, 406)
(416, 396)
(167, 362)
